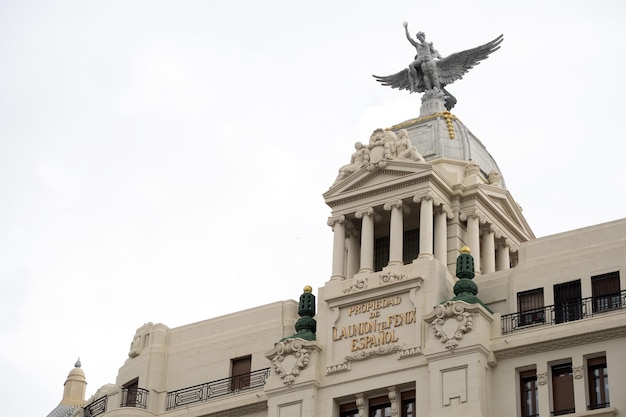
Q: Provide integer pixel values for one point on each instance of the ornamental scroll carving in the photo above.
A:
(450, 322)
(290, 357)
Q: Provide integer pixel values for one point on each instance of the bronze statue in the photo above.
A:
(430, 72)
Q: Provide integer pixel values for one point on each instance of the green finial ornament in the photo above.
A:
(306, 324)
(465, 289)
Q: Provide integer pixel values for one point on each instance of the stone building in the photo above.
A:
(399, 329)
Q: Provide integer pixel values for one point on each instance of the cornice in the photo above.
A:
(240, 411)
(563, 342)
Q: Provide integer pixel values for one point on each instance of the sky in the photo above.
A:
(165, 161)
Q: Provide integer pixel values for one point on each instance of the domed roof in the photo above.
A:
(443, 135)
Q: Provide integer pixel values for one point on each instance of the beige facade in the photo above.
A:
(548, 338)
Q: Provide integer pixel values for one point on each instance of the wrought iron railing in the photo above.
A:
(96, 408)
(563, 312)
(134, 397)
(221, 387)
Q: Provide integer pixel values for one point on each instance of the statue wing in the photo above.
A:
(399, 80)
(455, 66)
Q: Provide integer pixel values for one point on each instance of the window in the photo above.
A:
(529, 395)
(240, 369)
(130, 392)
(410, 245)
(605, 290)
(380, 407)
(598, 383)
(567, 302)
(530, 306)
(407, 399)
(348, 410)
(562, 389)
(381, 253)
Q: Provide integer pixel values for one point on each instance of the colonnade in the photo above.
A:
(353, 250)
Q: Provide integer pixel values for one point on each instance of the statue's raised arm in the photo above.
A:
(429, 71)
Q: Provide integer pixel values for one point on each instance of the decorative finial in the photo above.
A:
(465, 249)
(77, 364)
(465, 289)
(306, 324)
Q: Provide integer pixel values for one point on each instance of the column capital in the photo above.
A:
(341, 219)
(395, 204)
(475, 214)
(369, 211)
(420, 197)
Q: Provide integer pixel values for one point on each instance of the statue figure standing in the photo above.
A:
(424, 61)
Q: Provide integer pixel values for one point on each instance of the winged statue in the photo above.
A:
(429, 71)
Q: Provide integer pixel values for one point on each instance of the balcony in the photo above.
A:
(96, 408)
(134, 397)
(564, 312)
(215, 389)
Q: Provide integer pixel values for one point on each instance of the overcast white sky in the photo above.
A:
(165, 161)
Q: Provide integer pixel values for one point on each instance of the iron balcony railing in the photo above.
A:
(134, 397)
(96, 408)
(219, 388)
(563, 312)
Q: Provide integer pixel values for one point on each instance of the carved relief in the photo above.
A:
(289, 357)
(451, 332)
(388, 277)
(359, 284)
(542, 378)
(578, 372)
(361, 355)
(140, 340)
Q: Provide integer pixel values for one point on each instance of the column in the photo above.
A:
(396, 231)
(489, 252)
(367, 239)
(353, 253)
(441, 236)
(503, 258)
(426, 226)
(339, 247)
(473, 239)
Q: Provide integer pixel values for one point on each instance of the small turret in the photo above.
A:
(75, 386)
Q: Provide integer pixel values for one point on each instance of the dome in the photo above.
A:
(443, 135)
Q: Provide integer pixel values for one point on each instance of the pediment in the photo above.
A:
(393, 174)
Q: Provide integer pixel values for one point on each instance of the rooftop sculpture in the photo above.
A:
(430, 72)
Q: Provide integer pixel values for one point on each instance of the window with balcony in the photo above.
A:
(567, 302)
(562, 389)
(598, 383)
(529, 394)
(530, 307)
(605, 292)
(240, 369)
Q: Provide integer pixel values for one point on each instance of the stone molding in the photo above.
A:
(362, 355)
(240, 411)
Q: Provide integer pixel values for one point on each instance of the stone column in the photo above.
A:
(367, 239)
(503, 260)
(396, 231)
(441, 236)
(473, 239)
(353, 253)
(339, 247)
(489, 252)
(426, 226)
